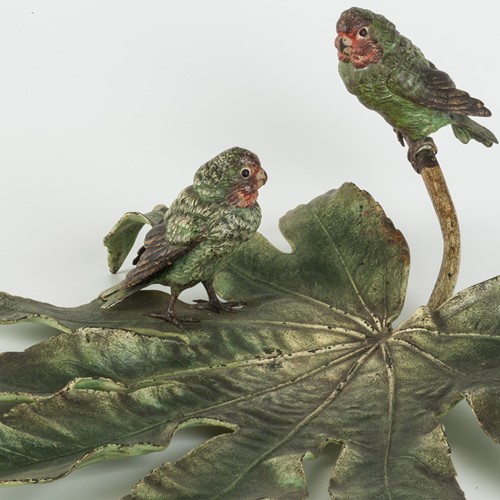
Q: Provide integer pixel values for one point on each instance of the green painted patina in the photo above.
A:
(312, 359)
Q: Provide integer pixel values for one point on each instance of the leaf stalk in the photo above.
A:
(422, 156)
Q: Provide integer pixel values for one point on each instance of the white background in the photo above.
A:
(110, 106)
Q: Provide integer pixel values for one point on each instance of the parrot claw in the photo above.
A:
(172, 318)
(416, 147)
(401, 137)
(218, 306)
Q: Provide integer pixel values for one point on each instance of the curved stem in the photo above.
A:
(422, 157)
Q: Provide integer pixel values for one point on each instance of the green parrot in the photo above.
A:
(390, 75)
(200, 231)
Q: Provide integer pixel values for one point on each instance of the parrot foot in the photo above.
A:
(400, 136)
(417, 147)
(218, 306)
(172, 318)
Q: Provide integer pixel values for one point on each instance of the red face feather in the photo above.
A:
(245, 192)
(355, 44)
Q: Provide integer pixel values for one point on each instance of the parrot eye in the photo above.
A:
(363, 32)
(245, 172)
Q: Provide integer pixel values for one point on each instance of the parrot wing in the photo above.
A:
(162, 249)
(432, 88)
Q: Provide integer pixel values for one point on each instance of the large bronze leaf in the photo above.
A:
(311, 359)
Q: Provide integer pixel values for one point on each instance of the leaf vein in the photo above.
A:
(430, 357)
(376, 321)
(329, 400)
(389, 365)
(287, 291)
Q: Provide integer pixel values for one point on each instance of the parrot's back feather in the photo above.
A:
(155, 234)
(435, 89)
(155, 256)
(154, 237)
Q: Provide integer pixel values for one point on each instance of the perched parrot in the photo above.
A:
(201, 230)
(388, 74)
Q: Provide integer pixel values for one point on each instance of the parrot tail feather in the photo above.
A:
(114, 295)
(466, 129)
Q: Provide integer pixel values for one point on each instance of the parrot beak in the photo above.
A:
(261, 178)
(343, 44)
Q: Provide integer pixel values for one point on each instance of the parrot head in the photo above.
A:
(362, 37)
(234, 176)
